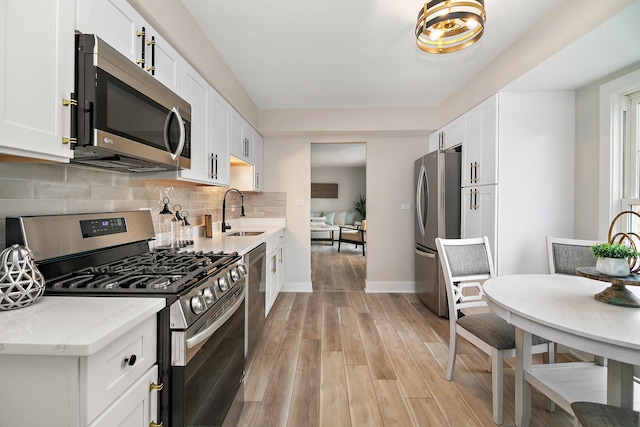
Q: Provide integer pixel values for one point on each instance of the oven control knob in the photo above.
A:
(236, 274)
(243, 269)
(223, 283)
(209, 295)
(197, 304)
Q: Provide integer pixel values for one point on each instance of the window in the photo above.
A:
(630, 137)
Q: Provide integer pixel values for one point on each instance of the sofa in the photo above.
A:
(325, 224)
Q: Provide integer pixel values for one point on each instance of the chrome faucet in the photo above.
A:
(226, 226)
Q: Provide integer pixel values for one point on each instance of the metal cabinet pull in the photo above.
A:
(213, 166)
(152, 424)
(156, 387)
(142, 34)
(152, 43)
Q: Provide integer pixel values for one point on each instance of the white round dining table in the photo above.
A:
(563, 309)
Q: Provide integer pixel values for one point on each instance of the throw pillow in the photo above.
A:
(339, 219)
(350, 217)
(328, 217)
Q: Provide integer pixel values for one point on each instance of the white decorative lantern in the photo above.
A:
(21, 283)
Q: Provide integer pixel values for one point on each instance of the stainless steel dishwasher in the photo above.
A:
(255, 260)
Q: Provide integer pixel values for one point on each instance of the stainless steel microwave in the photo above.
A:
(125, 119)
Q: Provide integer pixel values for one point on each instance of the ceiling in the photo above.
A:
(349, 54)
(338, 155)
(302, 54)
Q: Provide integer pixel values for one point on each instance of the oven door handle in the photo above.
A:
(206, 333)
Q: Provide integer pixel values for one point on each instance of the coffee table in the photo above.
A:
(325, 228)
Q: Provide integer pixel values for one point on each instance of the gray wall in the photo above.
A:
(352, 181)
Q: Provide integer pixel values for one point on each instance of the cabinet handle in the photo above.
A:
(152, 43)
(257, 180)
(142, 34)
(131, 360)
(152, 424)
(214, 166)
(273, 264)
(156, 387)
(67, 102)
(473, 201)
(66, 140)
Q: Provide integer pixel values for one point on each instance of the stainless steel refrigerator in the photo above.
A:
(438, 197)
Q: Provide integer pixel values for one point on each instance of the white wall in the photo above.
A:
(592, 181)
(536, 177)
(571, 20)
(352, 181)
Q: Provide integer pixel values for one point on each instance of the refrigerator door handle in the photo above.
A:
(425, 254)
(422, 179)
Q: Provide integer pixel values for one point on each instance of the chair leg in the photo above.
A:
(497, 367)
(339, 244)
(453, 343)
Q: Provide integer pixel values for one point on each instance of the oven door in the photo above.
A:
(208, 367)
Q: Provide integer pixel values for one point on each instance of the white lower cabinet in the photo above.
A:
(275, 270)
(479, 208)
(115, 386)
(136, 407)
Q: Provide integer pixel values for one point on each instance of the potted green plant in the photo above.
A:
(361, 206)
(613, 258)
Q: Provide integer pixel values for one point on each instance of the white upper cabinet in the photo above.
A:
(246, 145)
(219, 162)
(480, 150)
(256, 154)
(239, 143)
(36, 75)
(196, 91)
(114, 21)
(121, 26)
(161, 60)
(449, 136)
(452, 134)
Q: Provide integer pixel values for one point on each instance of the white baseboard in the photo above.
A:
(297, 287)
(390, 287)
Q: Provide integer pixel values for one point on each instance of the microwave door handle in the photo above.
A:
(175, 111)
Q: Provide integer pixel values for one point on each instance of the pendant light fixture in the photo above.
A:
(446, 26)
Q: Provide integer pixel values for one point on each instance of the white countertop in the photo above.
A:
(71, 326)
(81, 326)
(240, 244)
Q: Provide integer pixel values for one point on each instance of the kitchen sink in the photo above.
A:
(244, 233)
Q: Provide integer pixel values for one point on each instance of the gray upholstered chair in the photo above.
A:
(353, 234)
(565, 255)
(588, 414)
(466, 263)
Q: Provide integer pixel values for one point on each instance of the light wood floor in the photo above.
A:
(340, 357)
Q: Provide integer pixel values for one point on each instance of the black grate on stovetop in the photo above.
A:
(161, 271)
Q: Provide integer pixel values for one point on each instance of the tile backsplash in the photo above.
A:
(49, 189)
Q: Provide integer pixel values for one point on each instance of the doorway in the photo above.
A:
(338, 182)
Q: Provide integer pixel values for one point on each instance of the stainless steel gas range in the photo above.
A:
(200, 333)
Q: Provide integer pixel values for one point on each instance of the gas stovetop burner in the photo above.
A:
(162, 271)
